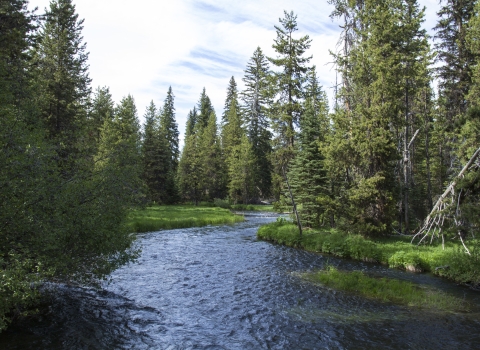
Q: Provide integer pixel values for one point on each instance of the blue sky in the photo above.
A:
(143, 47)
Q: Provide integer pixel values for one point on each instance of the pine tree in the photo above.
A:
(191, 122)
(389, 51)
(455, 79)
(232, 94)
(121, 135)
(289, 80)
(155, 156)
(190, 166)
(61, 76)
(255, 103)
(16, 32)
(24, 166)
(307, 174)
(468, 190)
(232, 129)
(204, 110)
(240, 162)
(101, 110)
(169, 131)
(213, 175)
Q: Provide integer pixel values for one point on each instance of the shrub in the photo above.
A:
(409, 261)
(221, 203)
(361, 249)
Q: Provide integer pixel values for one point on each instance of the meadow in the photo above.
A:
(168, 217)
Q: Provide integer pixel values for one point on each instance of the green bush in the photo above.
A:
(361, 249)
(221, 203)
(409, 261)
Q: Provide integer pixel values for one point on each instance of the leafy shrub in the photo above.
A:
(335, 244)
(361, 249)
(221, 203)
(409, 261)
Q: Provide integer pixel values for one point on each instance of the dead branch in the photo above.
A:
(436, 219)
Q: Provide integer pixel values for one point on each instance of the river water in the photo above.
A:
(220, 288)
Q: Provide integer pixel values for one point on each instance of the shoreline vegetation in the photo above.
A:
(154, 218)
(393, 251)
(387, 289)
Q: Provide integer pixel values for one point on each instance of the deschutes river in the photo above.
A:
(219, 288)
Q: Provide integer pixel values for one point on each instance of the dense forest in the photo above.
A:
(392, 155)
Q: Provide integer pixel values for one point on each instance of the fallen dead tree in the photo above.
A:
(443, 208)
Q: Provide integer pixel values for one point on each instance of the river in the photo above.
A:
(220, 288)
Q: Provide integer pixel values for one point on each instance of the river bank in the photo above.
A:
(169, 217)
(395, 252)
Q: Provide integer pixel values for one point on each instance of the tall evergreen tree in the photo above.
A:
(308, 174)
(101, 110)
(232, 94)
(190, 166)
(456, 61)
(289, 79)
(170, 127)
(16, 36)
(389, 48)
(169, 131)
(155, 156)
(241, 161)
(191, 122)
(232, 129)
(213, 180)
(204, 110)
(61, 76)
(255, 108)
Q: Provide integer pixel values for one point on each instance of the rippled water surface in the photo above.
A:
(220, 288)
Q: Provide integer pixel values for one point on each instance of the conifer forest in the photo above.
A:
(397, 151)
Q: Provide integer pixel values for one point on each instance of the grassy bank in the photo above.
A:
(179, 216)
(396, 252)
(253, 207)
(386, 289)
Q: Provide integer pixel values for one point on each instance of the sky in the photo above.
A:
(143, 47)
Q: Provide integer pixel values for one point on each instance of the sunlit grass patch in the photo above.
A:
(387, 289)
(179, 216)
(394, 251)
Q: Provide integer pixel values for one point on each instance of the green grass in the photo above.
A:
(253, 207)
(396, 252)
(179, 216)
(388, 290)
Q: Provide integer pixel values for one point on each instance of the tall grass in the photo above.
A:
(179, 216)
(396, 252)
(387, 289)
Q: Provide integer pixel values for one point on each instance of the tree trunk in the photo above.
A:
(299, 224)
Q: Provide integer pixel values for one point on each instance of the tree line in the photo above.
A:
(377, 161)
(74, 162)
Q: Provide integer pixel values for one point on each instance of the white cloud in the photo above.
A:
(143, 47)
